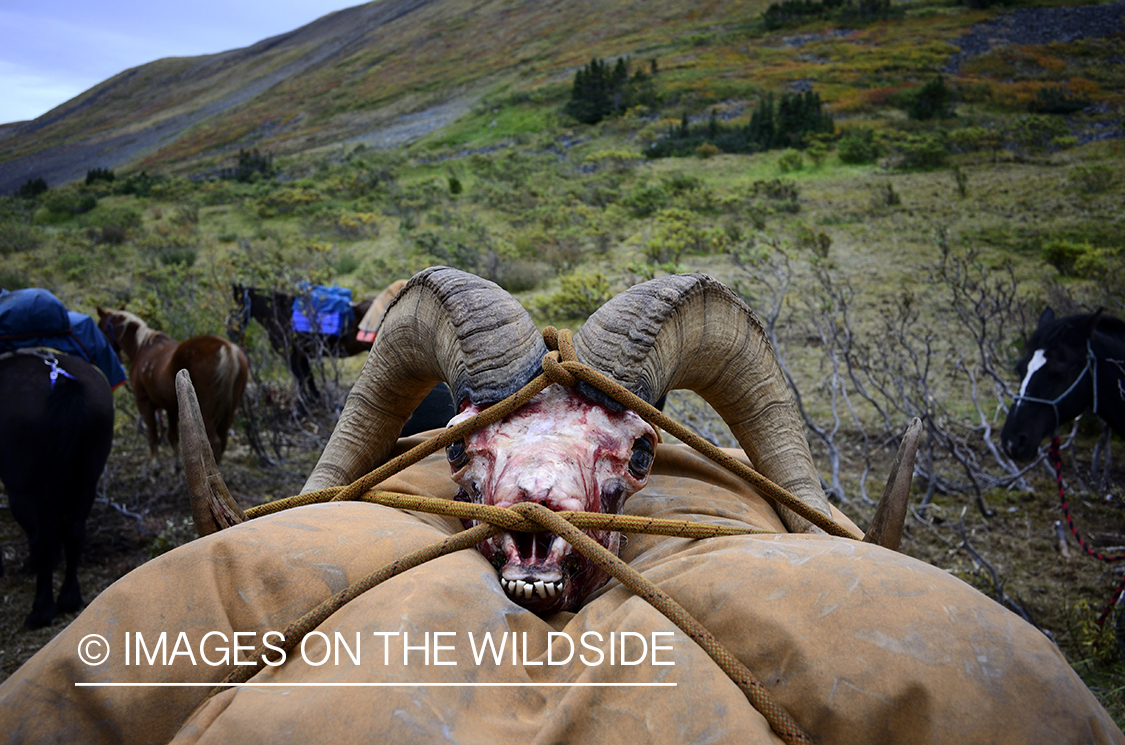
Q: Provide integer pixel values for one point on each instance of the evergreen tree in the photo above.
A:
(602, 91)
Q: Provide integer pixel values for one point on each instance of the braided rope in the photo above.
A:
(760, 698)
(560, 366)
(1056, 464)
(297, 630)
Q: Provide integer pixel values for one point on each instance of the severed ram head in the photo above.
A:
(569, 448)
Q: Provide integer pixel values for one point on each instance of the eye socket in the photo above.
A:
(641, 460)
(456, 454)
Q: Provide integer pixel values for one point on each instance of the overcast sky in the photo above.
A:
(52, 50)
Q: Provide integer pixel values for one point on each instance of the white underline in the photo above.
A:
(375, 685)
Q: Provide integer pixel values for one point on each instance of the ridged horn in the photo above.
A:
(890, 516)
(691, 331)
(212, 506)
(444, 325)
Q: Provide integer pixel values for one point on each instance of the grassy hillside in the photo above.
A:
(899, 258)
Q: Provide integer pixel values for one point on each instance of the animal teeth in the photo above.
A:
(544, 590)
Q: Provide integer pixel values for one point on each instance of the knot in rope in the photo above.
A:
(561, 344)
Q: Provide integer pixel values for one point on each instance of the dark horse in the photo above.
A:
(56, 430)
(274, 310)
(1070, 365)
(218, 369)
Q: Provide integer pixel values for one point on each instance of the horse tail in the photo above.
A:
(229, 380)
(80, 414)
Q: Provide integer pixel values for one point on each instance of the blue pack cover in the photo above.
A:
(36, 318)
(322, 310)
(30, 313)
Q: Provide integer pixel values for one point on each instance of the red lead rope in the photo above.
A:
(1056, 463)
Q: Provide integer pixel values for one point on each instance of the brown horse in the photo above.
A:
(218, 369)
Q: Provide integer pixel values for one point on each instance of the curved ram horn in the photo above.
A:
(212, 506)
(445, 325)
(691, 331)
(890, 516)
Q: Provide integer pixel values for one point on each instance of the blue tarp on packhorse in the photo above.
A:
(322, 310)
(36, 318)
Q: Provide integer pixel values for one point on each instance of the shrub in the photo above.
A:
(678, 232)
(455, 187)
(579, 295)
(926, 150)
(619, 161)
(1093, 179)
(70, 202)
(113, 234)
(287, 201)
(520, 275)
(962, 180)
(138, 184)
(12, 279)
(125, 217)
(778, 190)
(886, 196)
(1039, 131)
(817, 152)
(1065, 255)
(934, 100)
(252, 166)
(646, 199)
(172, 255)
(346, 264)
(707, 150)
(790, 160)
(1057, 99)
(858, 146)
(18, 236)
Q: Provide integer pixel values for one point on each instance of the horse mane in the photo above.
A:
(144, 334)
(1057, 331)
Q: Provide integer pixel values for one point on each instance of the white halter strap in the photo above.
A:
(1091, 367)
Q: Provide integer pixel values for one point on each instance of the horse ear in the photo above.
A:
(1047, 317)
(1093, 324)
(101, 313)
(121, 307)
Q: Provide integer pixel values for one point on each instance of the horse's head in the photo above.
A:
(111, 329)
(1056, 381)
(125, 331)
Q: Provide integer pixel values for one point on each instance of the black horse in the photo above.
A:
(1070, 365)
(274, 311)
(56, 431)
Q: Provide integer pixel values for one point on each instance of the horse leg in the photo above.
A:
(307, 392)
(148, 412)
(74, 535)
(174, 431)
(44, 546)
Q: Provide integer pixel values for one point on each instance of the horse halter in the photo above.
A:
(1091, 367)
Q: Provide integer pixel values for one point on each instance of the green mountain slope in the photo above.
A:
(337, 78)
